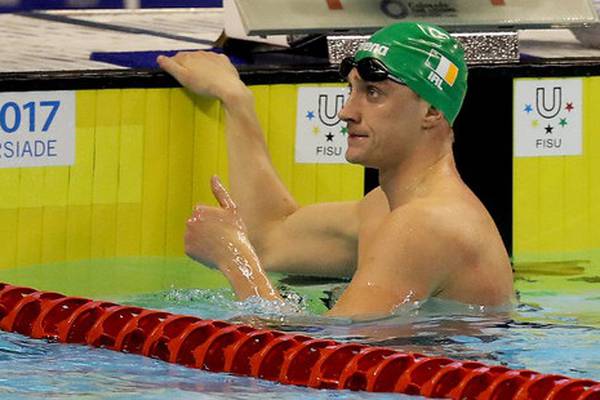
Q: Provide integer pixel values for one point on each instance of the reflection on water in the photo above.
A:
(545, 332)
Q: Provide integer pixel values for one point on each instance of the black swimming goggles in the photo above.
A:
(369, 69)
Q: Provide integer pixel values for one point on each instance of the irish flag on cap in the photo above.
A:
(443, 67)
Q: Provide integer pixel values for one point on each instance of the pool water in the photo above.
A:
(547, 331)
(33, 370)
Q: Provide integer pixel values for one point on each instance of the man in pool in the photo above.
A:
(422, 233)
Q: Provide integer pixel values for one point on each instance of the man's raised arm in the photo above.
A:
(254, 184)
(320, 238)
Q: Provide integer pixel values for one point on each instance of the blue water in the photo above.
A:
(561, 336)
(31, 369)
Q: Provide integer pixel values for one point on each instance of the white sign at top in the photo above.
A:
(37, 129)
(548, 117)
(263, 17)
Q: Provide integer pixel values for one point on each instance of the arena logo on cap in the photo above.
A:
(375, 48)
(442, 69)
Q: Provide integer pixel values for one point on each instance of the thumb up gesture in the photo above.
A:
(215, 234)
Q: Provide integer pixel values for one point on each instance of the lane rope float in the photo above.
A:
(220, 346)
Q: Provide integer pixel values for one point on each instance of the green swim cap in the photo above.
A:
(426, 58)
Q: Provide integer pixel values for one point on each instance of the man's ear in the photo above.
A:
(432, 118)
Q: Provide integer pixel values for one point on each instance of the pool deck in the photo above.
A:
(64, 40)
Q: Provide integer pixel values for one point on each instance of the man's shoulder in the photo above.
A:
(373, 205)
(439, 225)
(457, 219)
(423, 239)
(376, 195)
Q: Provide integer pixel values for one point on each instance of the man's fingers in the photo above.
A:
(172, 67)
(221, 194)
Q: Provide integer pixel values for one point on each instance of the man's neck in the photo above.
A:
(402, 182)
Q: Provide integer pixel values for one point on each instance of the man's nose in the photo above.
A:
(349, 112)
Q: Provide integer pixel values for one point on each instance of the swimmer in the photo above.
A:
(422, 233)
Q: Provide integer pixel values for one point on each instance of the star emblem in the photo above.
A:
(528, 108)
(563, 122)
(344, 130)
(549, 129)
(569, 107)
(329, 137)
(310, 115)
(535, 123)
(316, 130)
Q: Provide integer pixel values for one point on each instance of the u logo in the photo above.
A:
(548, 109)
(328, 114)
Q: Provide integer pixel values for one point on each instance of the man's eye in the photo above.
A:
(373, 91)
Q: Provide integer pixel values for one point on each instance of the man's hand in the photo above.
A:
(217, 238)
(204, 73)
(213, 234)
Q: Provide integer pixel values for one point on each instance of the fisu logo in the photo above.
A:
(548, 117)
(321, 137)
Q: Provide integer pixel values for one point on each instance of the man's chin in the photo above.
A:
(355, 159)
(351, 159)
